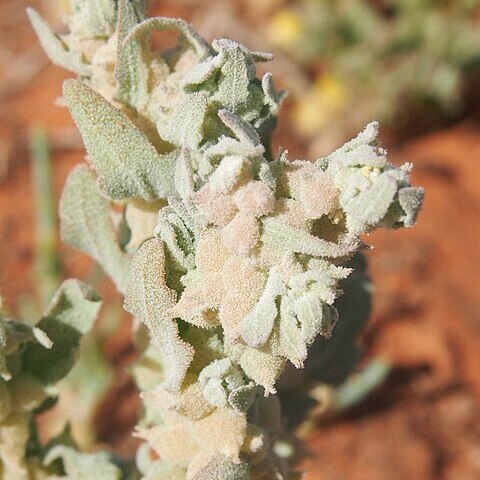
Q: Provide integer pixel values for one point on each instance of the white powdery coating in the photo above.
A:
(255, 198)
(242, 233)
(217, 208)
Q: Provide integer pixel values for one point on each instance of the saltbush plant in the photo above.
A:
(229, 258)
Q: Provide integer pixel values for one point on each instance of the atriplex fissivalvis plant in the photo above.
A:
(230, 259)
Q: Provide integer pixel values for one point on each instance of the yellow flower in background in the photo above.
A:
(326, 99)
(284, 28)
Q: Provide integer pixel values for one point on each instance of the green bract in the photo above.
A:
(233, 260)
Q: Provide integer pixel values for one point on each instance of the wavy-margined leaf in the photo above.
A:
(70, 315)
(367, 208)
(410, 199)
(201, 47)
(85, 224)
(332, 360)
(291, 343)
(185, 125)
(150, 300)
(241, 129)
(100, 16)
(83, 466)
(258, 324)
(236, 72)
(284, 237)
(131, 70)
(128, 165)
(56, 49)
(13, 338)
(218, 380)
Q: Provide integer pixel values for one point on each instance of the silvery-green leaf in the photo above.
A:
(332, 360)
(241, 129)
(256, 327)
(273, 97)
(150, 300)
(315, 317)
(262, 56)
(287, 238)
(309, 310)
(201, 72)
(262, 367)
(218, 380)
(128, 165)
(367, 208)
(83, 466)
(235, 75)
(55, 47)
(176, 227)
(184, 181)
(290, 340)
(201, 47)
(230, 146)
(14, 336)
(265, 174)
(85, 223)
(242, 397)
(185, 125)
(70, 315)
(367, 137)
(100, 16)
(131, 70)
(410, 199)
(221, 468)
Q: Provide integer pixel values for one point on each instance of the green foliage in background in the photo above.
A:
(383, 58)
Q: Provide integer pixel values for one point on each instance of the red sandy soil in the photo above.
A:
(423, 422)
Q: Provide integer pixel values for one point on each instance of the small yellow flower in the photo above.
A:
(284, 28)
(325, 100)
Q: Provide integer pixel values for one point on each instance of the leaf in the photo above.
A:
(70, 315)
(56, 49)
(284, 237)
(410, 199)
(149, 299)
(367, 137)
(241, 129)
(201, 73)
(242, 397)
(83, 466)
(292, 345)
(273, 97)
(201, 47)
(367, 208)
(185, 125)
(100, 16)
(85, 224)
(332, 360)
(235, 74)
(221, 468)
(128, 165)
(257, 326)
(176, 227)
(184, 182)
(218, 380)
(263, 368)
(131, 70)
(14, 336)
